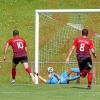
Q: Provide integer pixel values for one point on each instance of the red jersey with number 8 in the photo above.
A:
(83, 46)
(18, 45)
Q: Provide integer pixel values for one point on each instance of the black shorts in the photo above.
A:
(20, 60)
(84, 63)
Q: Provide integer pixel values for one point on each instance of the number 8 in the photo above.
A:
(82, 46)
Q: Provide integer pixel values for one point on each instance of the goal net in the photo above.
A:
(54, 34)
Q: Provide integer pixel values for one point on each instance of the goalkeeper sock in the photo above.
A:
(28, 70)
(90, 77)
(74, 77)
(13, 73)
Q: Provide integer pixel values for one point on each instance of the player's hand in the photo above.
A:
(95, 56)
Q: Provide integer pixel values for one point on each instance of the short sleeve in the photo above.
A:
(25, 44)
(75, 42)
(9, 42)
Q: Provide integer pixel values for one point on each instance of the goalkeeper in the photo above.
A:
(64, 78)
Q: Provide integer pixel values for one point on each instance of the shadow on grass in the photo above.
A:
(76, 87)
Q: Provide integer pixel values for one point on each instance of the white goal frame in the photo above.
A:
(37, 12)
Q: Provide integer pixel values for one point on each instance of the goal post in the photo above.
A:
(76, 26)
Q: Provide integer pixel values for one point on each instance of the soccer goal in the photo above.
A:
(55, 30)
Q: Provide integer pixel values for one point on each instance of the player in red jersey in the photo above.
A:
(83, 47)
(19, 48)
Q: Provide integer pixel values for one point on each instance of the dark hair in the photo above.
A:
(15, 32)
(85, 32)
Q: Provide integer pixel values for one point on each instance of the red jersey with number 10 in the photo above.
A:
(18, 45)
(83, 46)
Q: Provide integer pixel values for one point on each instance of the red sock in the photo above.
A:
(90, 77)
(28, 70)
(13, 73)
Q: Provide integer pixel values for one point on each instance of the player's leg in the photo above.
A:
(71, 78)
(77, 73)
(90, 77)
(13, 72)
(64, 78)
(86, 66)
(75, 70)
(90, 72)
(28, 70)
(24, 60)
(82, 62)
(14, 64)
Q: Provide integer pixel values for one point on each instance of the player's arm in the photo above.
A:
(93, 52)
(26, 49)
(5, 50)
(92, 49)
(70, 53)
(25, 44)
(40, 77)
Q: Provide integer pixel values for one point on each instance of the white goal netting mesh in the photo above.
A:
(56, 34)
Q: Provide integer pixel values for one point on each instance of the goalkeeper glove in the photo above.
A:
(36, 73)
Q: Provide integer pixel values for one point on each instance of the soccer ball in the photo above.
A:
(50, 69)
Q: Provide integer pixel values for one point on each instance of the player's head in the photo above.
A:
(50, 69)
(85, 32)
(15, 32)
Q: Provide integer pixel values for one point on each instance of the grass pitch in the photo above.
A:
(48, 92)
(20, 14)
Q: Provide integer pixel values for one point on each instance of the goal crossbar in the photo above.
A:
(66, 10)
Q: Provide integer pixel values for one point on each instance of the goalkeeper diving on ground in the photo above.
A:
(64, 78)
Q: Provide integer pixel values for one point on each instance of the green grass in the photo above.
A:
(49, 92)
(20, 14)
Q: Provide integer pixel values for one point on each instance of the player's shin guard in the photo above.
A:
(90, 77)
(28, 70)
(74, 78)
(13, 73)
